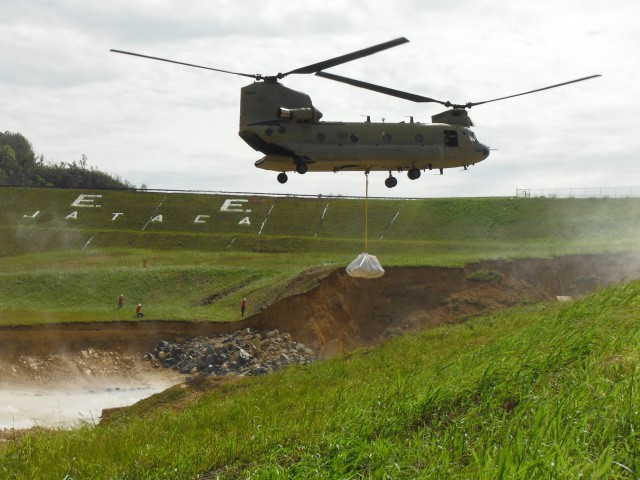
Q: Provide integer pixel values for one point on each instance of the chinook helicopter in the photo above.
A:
(285, 126)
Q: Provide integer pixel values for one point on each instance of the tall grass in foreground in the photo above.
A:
(536, 392)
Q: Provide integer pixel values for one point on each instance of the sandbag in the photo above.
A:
(365, 266)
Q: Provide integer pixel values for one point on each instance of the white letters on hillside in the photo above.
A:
(234, 205)
(86, 200)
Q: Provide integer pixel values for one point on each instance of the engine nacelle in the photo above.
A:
(300, 115)
(455, 116)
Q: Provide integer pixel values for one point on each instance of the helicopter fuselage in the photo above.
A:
(284, 125)
(327, 146)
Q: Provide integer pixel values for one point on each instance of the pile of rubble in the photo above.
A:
(243, 352)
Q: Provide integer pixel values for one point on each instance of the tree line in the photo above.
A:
(19, 166)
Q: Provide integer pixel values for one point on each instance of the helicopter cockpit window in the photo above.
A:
(472, 136)
(450, 138)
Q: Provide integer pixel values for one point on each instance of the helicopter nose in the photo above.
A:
(485, 151)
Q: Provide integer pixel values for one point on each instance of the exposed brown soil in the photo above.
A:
(345, 312)
(339, 313)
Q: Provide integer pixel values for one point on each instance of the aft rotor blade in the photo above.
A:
(187, 64)
(473, 104)
(377, 88)
(348, 57)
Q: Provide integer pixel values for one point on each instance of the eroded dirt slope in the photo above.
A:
(346, 312)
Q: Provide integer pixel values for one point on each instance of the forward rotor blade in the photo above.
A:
(377, 88)
(473, 104)
(348, 57)
(187, 64)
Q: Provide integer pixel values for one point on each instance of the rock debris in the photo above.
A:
(243, 352)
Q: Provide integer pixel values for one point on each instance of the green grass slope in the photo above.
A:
(185, 285)
(536, 392)
(66, 255)
(33, 220)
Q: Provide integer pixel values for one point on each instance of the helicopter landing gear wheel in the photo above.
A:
(282, 177)
(302, 168)
(390, 181)
(413, 173)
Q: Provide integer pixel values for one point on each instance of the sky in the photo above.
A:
(174, 127)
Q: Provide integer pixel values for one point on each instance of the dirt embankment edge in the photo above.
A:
(342, 312)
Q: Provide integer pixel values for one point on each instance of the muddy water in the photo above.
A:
(63, 391)
(53, 406)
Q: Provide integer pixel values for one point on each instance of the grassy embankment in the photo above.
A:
(71, 260)
(534, 392)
